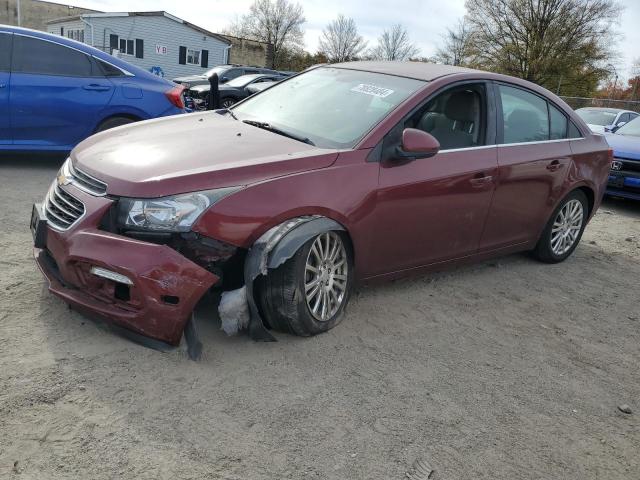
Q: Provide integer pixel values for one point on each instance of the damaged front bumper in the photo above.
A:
(146, 288)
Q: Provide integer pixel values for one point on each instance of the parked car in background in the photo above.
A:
(231, 92)
(624, 179)
(55, 92)
(603, 120)
(260, 86)
(225, 73)
(351, 172)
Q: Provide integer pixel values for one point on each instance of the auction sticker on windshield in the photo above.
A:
(372, 90)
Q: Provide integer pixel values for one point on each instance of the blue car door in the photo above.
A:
(57, 93)
(5, 75)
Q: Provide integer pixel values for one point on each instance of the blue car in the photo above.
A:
(55, 92)
(624, 179)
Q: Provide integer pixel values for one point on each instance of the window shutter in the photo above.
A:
(182, 56)
(204, 59)
(113, 43)
(139, 48)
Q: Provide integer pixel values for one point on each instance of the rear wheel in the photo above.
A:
(113, 122)
(308, 293)
(564, 229)
(227, 102)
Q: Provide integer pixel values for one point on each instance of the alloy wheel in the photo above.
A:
(566, 227)
(326, 272)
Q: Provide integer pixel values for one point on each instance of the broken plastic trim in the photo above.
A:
(271, 250)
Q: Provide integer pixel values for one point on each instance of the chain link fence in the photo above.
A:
(580, 102)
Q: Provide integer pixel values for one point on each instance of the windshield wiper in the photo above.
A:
(279, 131)
(226, 110)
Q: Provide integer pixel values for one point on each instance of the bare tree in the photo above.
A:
(555, 43)
(340, 40)
(278, 22)
(394, 44)
(457, 46)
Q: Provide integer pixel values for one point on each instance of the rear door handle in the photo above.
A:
(2, 85)
(555, 165)
(481, 179)
(96, 87)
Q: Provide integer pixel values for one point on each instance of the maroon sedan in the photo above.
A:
(345, 173)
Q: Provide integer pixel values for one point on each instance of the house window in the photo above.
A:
(127, 47)
(74, 34)
(193, 57)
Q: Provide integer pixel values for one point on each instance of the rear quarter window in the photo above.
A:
(5, 51)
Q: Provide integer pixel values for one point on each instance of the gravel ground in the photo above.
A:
(509, 369)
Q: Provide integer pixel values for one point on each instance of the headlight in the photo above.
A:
(176, 213)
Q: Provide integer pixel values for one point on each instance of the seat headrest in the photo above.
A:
(461, 106)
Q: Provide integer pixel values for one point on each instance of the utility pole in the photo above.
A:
(18, 11)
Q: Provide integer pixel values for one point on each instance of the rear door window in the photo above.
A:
(32, 55)
(524, 114)
(5, 52)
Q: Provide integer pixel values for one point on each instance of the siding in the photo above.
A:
(153, 30)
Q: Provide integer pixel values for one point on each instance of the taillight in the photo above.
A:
(175, 96)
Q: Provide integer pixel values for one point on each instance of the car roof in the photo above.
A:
(416, 70)
(83, 47)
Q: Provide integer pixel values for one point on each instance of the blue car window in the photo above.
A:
(5, 51)
(31, 55)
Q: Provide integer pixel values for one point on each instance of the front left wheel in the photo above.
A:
(308, 293)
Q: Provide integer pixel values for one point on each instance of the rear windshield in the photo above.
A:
(333, 107)
(597, 117)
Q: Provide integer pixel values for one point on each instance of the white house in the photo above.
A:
(155, 41)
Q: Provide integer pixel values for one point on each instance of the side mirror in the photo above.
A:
(417, 144)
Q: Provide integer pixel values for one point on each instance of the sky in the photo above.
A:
(426, 20)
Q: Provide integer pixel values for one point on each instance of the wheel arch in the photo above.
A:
(129, 116)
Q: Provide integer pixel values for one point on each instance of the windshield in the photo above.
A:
(632, 128)
(332, 107)
(218, 70)
(597, 117)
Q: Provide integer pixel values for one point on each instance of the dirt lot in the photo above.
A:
(509, 369)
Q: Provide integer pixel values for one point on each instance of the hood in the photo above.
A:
(191, 152)
(624, 146)
(596, 128)
(190, 78)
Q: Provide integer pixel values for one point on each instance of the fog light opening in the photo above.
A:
(109, 275)
(170, 299)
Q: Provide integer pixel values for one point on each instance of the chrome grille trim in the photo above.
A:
(58, 216)
(86, 182)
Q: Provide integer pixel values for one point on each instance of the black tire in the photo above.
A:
(282, 294)
(544, 250)
(113, 122)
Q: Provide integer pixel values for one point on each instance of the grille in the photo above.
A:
(629, 165)
(61, 208)
(86, 182)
